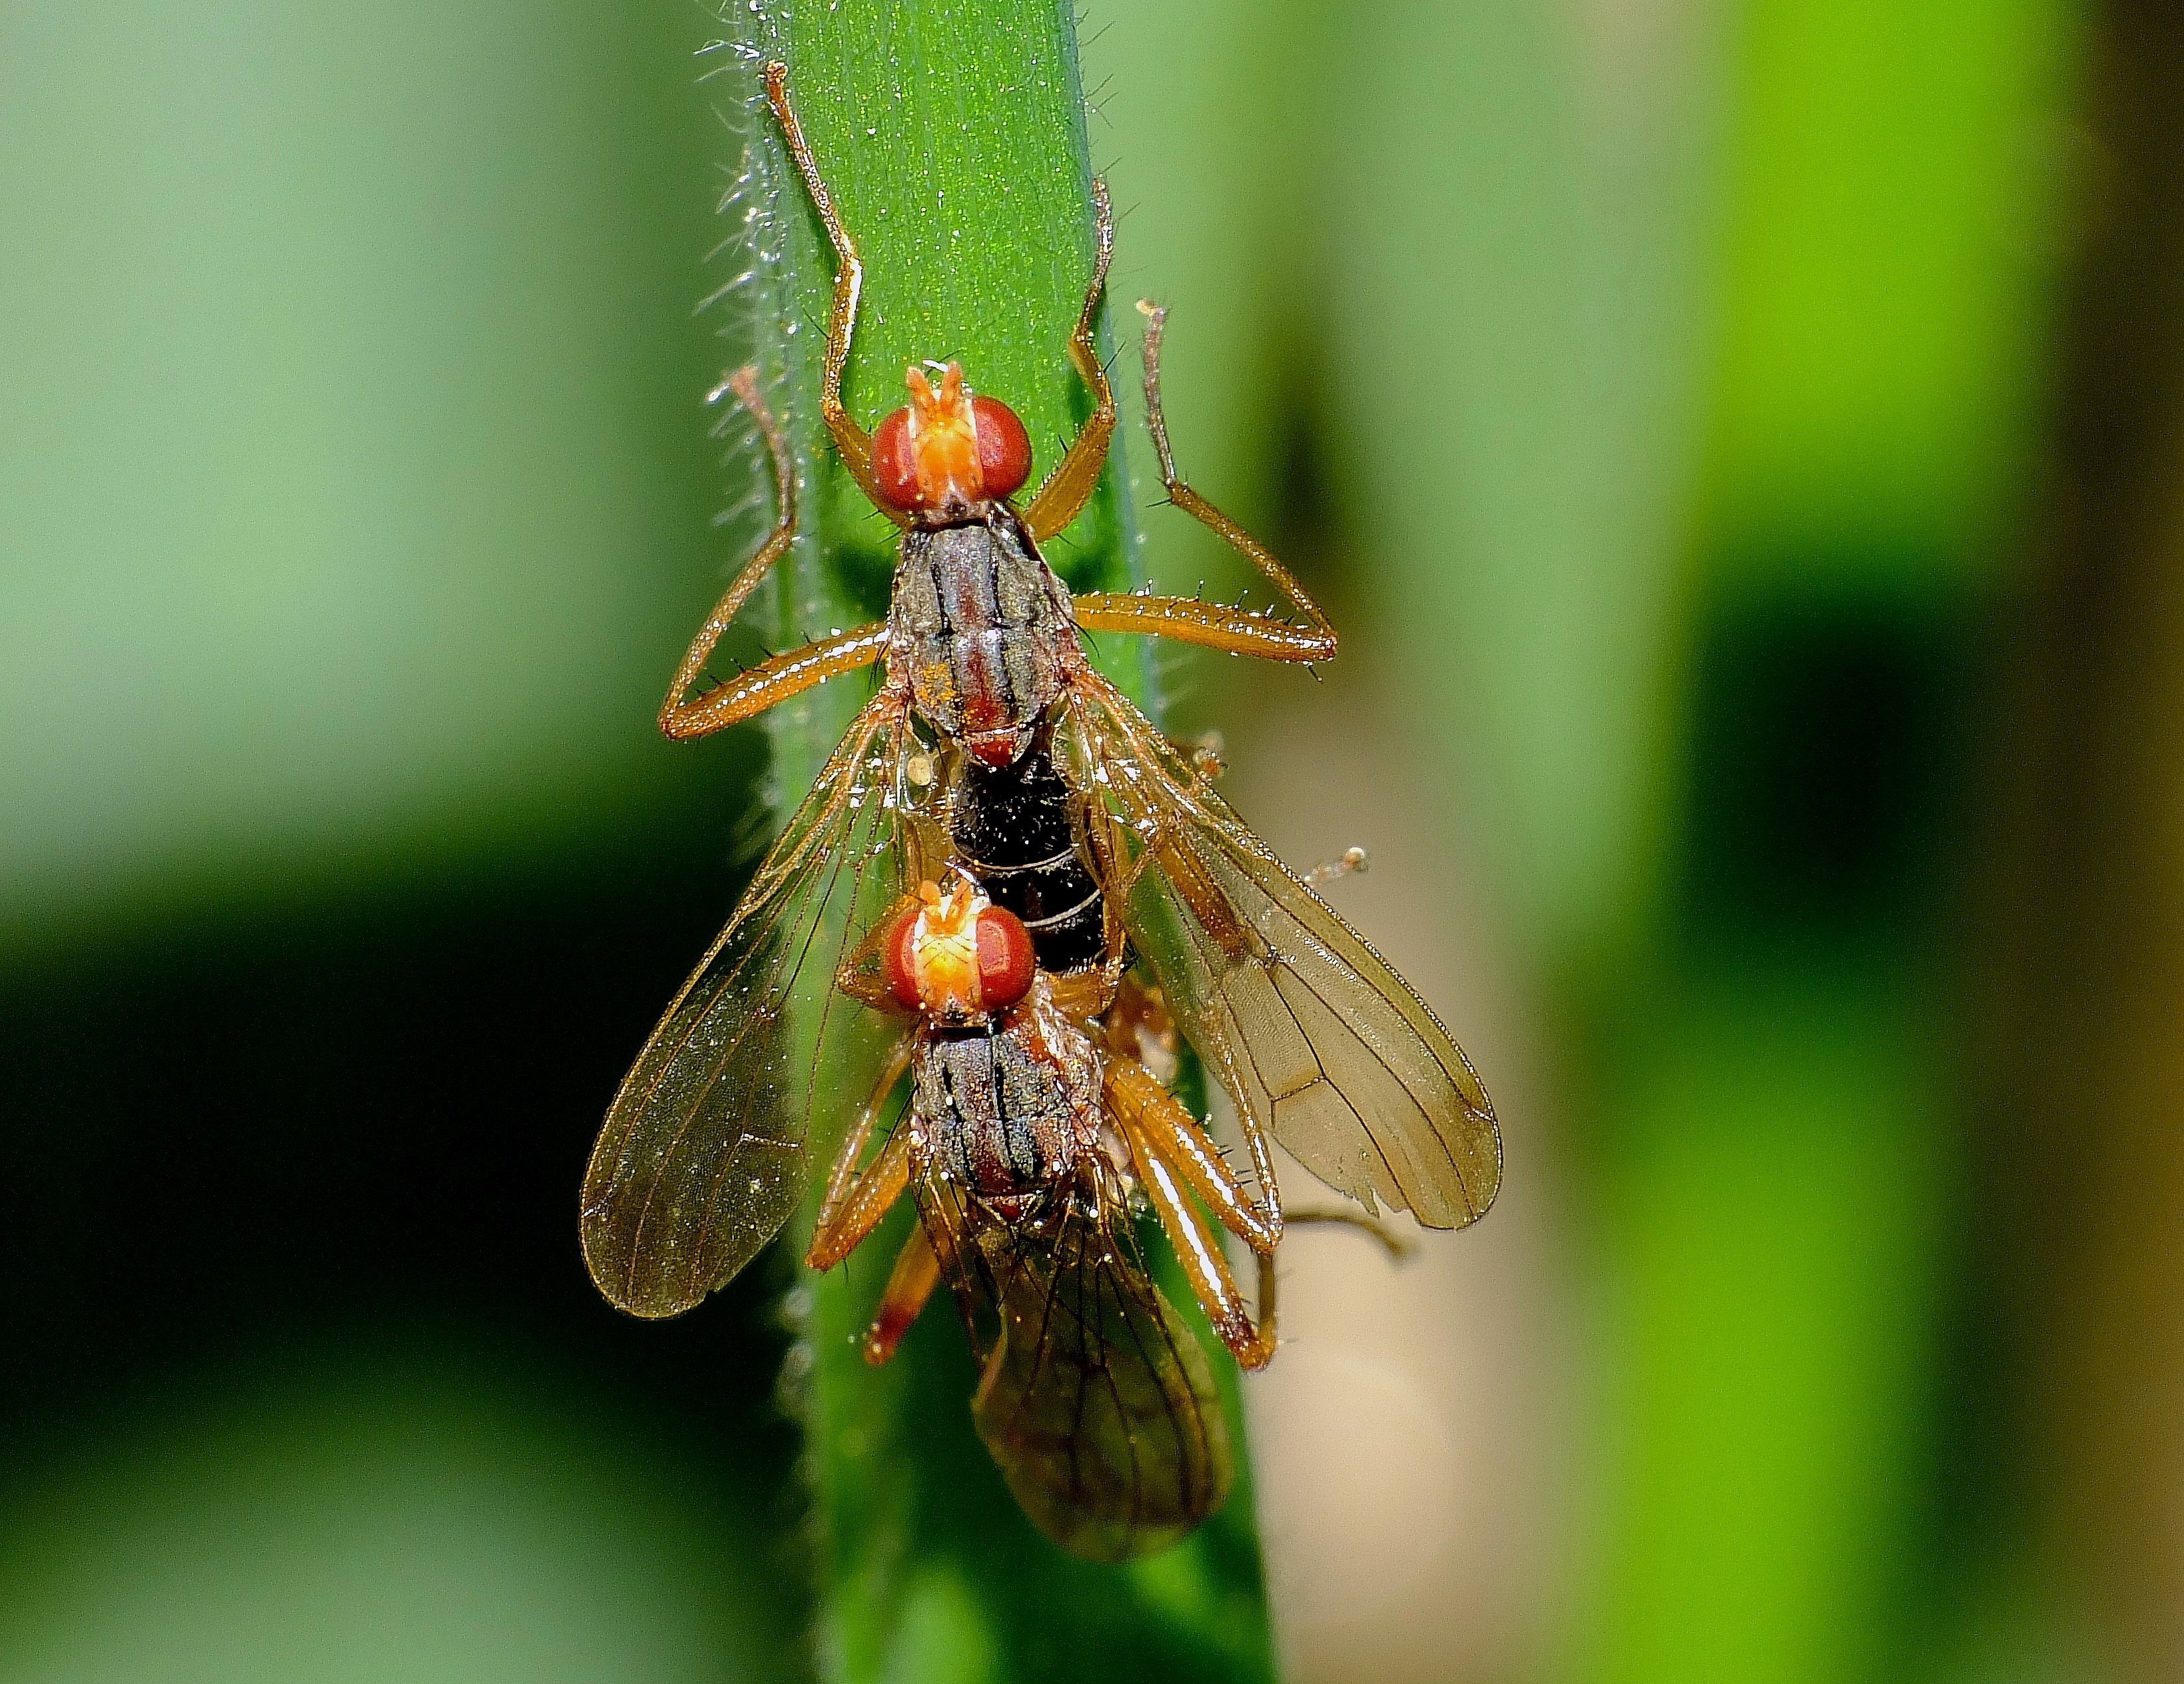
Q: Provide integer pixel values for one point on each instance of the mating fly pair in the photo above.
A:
(995, 759)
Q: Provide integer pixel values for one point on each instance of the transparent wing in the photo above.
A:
(700, 1161)
(1096, 1400)
(1322, 1045)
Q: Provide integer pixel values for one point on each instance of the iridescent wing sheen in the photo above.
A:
(701, 1160)
(1322, 1045)
(1096, 1400)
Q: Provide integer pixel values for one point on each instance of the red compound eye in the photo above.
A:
(1003, 447)
(1006, 959)
(894, 461)
(899, 960)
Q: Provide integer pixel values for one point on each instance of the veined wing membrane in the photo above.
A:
(1322, 1045)
(1096, 1400)
(701, 1160)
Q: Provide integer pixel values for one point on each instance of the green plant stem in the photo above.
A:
(952, 135)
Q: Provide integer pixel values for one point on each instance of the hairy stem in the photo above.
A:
(952, 137)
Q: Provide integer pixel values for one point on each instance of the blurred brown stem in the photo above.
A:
(2087, 1141)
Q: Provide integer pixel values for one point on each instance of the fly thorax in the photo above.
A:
(981, 628)
(1003, 1117)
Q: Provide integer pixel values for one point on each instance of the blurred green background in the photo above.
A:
(1741, 443)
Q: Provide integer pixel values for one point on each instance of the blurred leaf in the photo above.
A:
(1780, 1093)
(349, 455)
(1896, 179)
(1581, 518)
(1783, 1095)
(1519, 227)
(378, 1524)
(1771, 1215)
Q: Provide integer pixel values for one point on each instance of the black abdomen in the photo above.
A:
(1015, 830)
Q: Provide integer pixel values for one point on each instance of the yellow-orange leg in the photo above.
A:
(1149, 1112)
(865, 1205)
(1137, 1027)
(774, 681)
(1083, 996)
(1258, 1348)
(852, 442)
(856, 1202)
(1061, 497)
(778, 677)
(1241, 631)
(909, 1285)
(1198, 1248)
(1172, 1154)
(1397, 1247)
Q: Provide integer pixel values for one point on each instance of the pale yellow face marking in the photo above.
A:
(944, 948)
(943, 438)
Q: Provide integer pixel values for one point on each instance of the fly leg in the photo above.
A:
(1136, 1026)
(772, 681)
(1198, 1248)
(1241, 631)
(1152, 1115)
(1397, 1247)
(855, 1200)
(1061, 497)
(916, 1272)
(1083, 996)
(1139, 1029)
(1171, 1152)
(852, 442)
(855, 1204)
(778, 677)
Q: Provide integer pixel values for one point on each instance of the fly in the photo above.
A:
(1029, 1141)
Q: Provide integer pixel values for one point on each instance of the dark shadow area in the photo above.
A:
(240, 1139)
(1830, 745)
